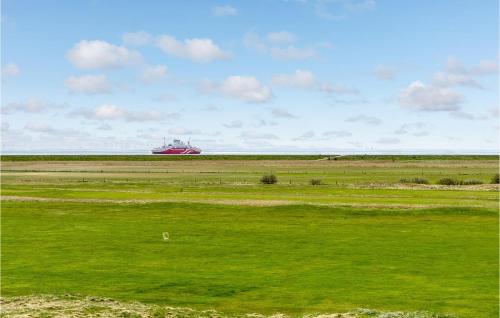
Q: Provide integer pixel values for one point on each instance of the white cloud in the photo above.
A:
(5, 126)
(388, 140)
(149, 115)
(494, 112)
(10, 70)
(439, 96)
(88, 84)
(337, 89)
(104, 127)
(101, 55)
(454, 66)
(233, 124)
(364, 119)
(292, 53)
(486, 67)
(360, 5)
(252, 40)
(281, 37)
(467, 116)
(139, 38)
(337, 133)
(152, 74)
(165, 98)
(339, 10)
(198, 50)
(323, 12)
(420, 97)
(38, 127)
(384, 73)
(210, 108)
(245, 88)
(456, 74)
(305, 136)
(358, 101)
(49, 131)
(253, 135)
(281, 113)
(183, 131)
(401, 131)
(108, 112)
(265, 123)
(226, 10)
(299, 79)
(304, 79)
(421, 133)
(406, 128)
(450, 79)
(30, 105)
(114, 112)
(274, 47)
(462, 115)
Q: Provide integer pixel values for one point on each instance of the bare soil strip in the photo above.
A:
(413, 186)
(138, 201)
(259, 203)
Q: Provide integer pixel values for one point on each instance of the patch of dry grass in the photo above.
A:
(70, 306)
(256, 203)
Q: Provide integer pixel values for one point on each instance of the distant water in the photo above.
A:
(281, 152)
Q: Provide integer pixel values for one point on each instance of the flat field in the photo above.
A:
(361, 239)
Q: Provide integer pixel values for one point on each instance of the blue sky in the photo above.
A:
(251, 76)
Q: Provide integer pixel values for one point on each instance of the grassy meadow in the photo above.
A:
(361, 239)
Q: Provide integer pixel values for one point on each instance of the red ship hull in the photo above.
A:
(178, 151)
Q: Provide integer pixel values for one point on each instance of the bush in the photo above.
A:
(472, 181)
(269, 179)
(449, 181)
(415, 180)
(495, 179)
(315, 182)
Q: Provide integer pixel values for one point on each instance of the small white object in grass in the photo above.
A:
(166, 237)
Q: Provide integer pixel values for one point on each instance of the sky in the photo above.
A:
(269, 76)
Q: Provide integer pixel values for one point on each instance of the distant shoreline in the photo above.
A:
(333, 157)
(342, 152)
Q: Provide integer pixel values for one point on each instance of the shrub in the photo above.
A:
(449, 181)
(269, 179)
(315, 182)
(472, 181)
(495, 179)
(415, 180)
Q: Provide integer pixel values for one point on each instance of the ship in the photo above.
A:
(177, 147)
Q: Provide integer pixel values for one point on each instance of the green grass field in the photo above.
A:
(360, 240)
